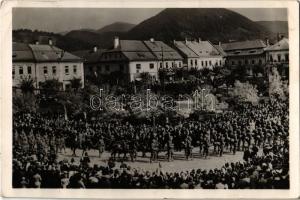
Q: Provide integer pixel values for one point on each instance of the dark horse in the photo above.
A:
(74, 144)
(118, 148)
(123, 147)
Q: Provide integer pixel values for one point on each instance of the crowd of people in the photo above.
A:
(39, 138)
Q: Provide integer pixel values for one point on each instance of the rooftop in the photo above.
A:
(248, 44)
(41, 53)
(283, 44)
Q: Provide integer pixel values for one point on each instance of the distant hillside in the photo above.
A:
(61, 41)
(103, 40)
(215, 24)
(275, 26)
(116, 27)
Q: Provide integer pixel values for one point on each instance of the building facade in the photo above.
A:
(188, 55)
(45, 62)
(132, 58)
(91, 61)
(277, 55)
(200, 54)
(248, 54)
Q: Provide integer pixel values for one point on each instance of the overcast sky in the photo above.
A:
(65, 19)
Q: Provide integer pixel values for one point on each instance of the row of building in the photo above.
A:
(131, 58)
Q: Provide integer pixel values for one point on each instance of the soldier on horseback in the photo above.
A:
(188, 147)
(101, 145)
(154, 149)
(170, 148)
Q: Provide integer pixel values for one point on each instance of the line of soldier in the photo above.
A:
(265, 124)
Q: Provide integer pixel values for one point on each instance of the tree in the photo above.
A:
(276, 87)
(75, 83)
(51, 87)
(27, 86)
(244, 92)
(162, 75)
(145, 78)
(26, 102)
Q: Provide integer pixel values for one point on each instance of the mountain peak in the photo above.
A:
(116, 27)
(215, 24)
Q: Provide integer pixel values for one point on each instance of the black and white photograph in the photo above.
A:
(150, 98)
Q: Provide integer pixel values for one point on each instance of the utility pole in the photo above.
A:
(163, 70)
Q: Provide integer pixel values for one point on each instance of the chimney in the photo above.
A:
(267, 42)
(152, 40)
(199, 39)
(186, 40)
(220, 44)
(50, 41)
(36, 42)
(278, 38)
(116, 42)
(174, 41)
(95, 48)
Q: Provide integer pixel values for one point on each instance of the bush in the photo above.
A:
(244, 92)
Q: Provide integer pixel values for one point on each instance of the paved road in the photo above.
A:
(179, 164)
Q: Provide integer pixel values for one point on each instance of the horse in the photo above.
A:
(74, 144)
(118, 148)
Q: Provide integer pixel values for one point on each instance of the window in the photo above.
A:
(107, 68)
(271, 58)
(20, 70)
(67, 70)
(202, 63)
(138, 66)
(210, 63)
(220, 62)
(74, 69)
(151, 65)
(179, 64)
(29, 69)
(160, 65)
(286, 57)
(205, 63)
(45, 70)
(253, 62)
(167, 65)
(54, 70)
(279, 57)
(121, 67)
(232, 62)
(13, 72)
(172, 64)
(196, 63)
(191, 62)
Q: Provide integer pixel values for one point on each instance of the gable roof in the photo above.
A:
(283, 44)
(22, 52)
(89, 56)
(162, 50)
(139, 56)
(220, 49)
(133, 50)
(181, 46)
(49, 53)
(133, 45)
(203, 48)
(41, 53)
(248, 44)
